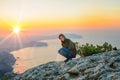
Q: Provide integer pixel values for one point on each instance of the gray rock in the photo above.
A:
(101, 66)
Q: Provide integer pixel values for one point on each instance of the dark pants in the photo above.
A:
(66, 53)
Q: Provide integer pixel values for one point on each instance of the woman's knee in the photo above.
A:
(60, 50)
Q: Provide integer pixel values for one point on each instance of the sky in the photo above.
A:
(59, 14)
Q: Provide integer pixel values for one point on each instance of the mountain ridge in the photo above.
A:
(101, 66)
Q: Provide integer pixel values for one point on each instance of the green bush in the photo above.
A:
(89, 49)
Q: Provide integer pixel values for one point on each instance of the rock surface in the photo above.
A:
(102, 66)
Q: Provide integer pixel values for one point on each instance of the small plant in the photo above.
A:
(89, 49)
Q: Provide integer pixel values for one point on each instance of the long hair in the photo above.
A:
(62, 36)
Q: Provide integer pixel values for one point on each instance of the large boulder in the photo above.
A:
(102, 66)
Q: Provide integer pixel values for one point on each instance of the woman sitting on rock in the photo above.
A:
(68, 49)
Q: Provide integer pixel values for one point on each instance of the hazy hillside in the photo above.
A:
(7, 61)
(12, 44)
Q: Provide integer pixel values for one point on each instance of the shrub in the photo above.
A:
(89, 49)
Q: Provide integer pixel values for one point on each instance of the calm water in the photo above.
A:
(34, 56)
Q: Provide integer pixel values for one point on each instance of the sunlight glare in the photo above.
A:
(16, 29)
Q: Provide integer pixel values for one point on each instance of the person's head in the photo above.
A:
(62, 37)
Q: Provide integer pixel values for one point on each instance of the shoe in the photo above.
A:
(67, 60)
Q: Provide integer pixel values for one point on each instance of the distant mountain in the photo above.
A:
(31, 41)
(73, 36)
(68, 35)
(9, 45)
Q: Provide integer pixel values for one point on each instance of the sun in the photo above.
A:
(16, 29)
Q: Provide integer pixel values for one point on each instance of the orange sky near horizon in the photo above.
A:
(89, 22)
(55, 15)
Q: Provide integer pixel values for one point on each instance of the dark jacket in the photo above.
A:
(70, 45)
